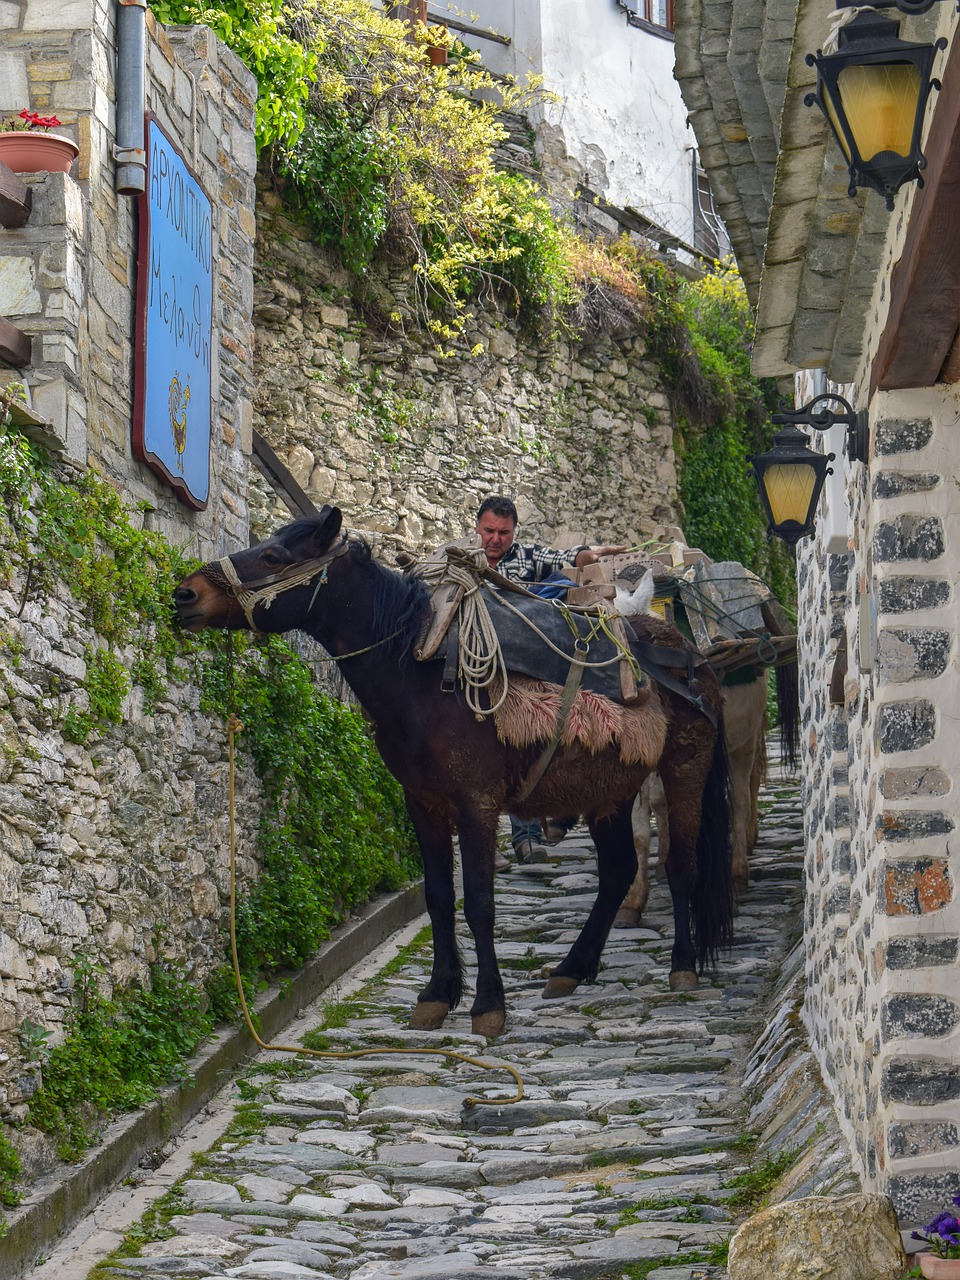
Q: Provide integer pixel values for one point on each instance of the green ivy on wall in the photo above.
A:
(333, 829)
(701, 333)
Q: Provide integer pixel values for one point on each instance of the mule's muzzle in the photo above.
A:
(189, 611)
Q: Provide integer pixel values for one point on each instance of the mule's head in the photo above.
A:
(268, 587)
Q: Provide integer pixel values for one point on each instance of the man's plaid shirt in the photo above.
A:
(532, 563)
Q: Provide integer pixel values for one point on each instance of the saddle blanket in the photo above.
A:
(529, 714)
(526, 652)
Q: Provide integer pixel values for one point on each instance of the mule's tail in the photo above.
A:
(788, 713)
(712, 903)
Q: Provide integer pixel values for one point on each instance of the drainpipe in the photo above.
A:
(128, 150)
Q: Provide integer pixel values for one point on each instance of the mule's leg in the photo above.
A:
(698, 869)
(756, 782)
(445, 988)
(683, 780)
(658, 807)
(631, 909)
(744, 708)
(616, 868)
(477, 829)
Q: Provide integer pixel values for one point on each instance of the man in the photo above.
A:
(497, 531)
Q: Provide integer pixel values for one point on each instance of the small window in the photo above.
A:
(655, 16)
(659, 13)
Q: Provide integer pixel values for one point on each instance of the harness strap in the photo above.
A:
(572, 684)
(263, 591)
(655, 658)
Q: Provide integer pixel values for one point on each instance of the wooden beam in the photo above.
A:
(634, 220)
(16, 347)
(271, 466)
(925, 284)
(481, 33)
(16, 199)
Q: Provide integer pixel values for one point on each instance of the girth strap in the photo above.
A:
(572, 684)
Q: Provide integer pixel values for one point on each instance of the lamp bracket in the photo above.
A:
(856, 422)
(910, 8)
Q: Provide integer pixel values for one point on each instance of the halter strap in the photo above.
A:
(263, 591)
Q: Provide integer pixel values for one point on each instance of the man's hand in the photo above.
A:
(592, 555)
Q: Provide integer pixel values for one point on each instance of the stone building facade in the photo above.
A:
(67, 278)
(854, 300)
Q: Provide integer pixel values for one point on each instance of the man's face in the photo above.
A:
(496, 535)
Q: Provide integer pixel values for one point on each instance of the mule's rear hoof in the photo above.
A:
(627, 918)
(558, 987)
(489, 1024)
(428, 1015)
(684, 980)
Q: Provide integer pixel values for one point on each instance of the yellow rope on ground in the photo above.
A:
(234, 727)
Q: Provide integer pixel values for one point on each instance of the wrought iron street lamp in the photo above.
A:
(790, 476)
(873, 89)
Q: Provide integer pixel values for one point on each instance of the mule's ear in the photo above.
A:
(328, 526)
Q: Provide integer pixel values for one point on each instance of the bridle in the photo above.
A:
(263, 591)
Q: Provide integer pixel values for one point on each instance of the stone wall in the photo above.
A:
(116, 849)
(882, 905)
(408, 443)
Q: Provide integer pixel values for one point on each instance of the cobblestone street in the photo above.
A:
(618, 1161)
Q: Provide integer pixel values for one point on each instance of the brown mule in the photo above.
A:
(457, 775)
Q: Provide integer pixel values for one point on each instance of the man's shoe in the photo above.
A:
(500, 863)
(527, 851)
(553, 832)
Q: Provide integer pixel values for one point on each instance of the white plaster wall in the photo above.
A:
(621, 120)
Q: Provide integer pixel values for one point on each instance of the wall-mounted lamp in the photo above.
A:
(790, 476)
(873, 89)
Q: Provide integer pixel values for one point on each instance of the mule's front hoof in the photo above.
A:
(489, 1024)
(558, 987)
(684, 980)
(627, 918)
(428, 1015)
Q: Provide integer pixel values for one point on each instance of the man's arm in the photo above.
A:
(590, 555)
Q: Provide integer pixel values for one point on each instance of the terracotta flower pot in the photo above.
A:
(30, 152)
(935, 1268)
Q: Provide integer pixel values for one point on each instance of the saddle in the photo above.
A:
(543, 639)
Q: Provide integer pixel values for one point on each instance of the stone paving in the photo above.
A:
(617, 1163)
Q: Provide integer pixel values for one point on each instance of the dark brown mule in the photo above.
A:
(455, 772)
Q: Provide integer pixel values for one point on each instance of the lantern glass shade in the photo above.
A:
(880, 104)
(790, 489)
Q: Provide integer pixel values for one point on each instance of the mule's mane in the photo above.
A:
(399, 604)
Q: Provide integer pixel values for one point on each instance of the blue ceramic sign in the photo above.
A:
(173, 411)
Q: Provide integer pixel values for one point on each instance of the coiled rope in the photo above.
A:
(480, 656)
(234, 726)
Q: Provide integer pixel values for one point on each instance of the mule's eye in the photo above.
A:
(271, 557)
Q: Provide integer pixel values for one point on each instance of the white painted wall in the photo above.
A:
(621, 121)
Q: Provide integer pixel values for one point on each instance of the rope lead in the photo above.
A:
(235, 726)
